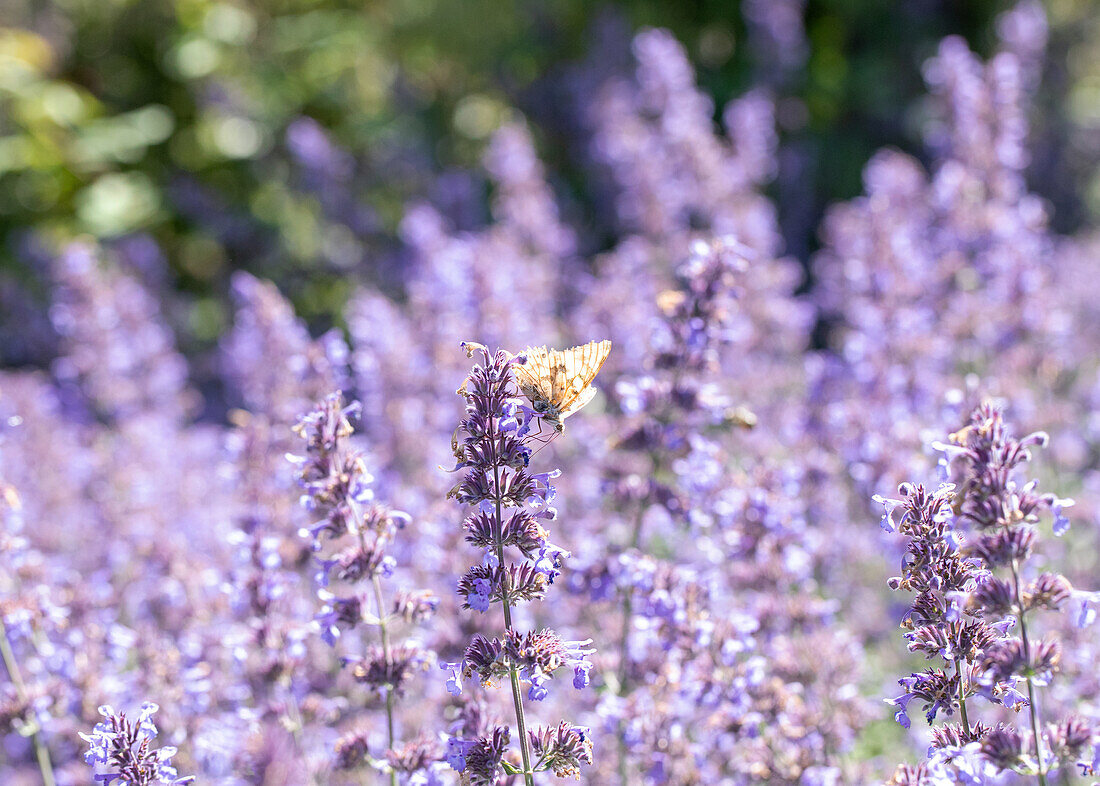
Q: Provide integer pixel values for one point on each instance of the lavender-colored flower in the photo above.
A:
(272, 365)
(563, 749)
(494, 455)
(959, 538)
(123, 749)
(706, 504)
(356, 531)
(116, 350)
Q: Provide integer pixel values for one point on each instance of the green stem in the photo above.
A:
(628, 609)
(620, 689)
(41, 752)
(1034, 712)
(386, 654)
(383, 631)
(962, 694)
(624, 662)
(513, 674)
(294, 713)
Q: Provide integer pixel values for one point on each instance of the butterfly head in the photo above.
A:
(548, 414)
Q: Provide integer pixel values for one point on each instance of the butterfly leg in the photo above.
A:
(537, 436)
(543, 443)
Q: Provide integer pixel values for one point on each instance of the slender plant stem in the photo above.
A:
(1021, 615)
(962, 694)
(624, 635)
(383, 632)
(624, 661)
(628, 609)
(513, 674)
(294, 715)
(386, 654)
(620, 690)
(42, 753)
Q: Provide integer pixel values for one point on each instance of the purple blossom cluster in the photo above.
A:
(969, 543)
(123, 748)
(686, 575)
(509, 504)
(349, 540)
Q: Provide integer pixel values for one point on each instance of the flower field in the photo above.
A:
(602, 438)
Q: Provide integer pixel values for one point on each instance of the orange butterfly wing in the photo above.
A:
(561, 379)
(574, 369)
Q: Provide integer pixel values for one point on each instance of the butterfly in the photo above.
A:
(558, 381)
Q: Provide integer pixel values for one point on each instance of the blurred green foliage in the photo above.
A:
(113, 113)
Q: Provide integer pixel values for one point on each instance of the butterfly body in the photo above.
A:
(558, 382)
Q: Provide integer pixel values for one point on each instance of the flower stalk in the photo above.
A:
(1033, 710)
(508, 507)
(41, 752)
(352, 531)
(960, 537)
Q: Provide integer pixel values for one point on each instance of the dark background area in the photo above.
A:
(173, 122)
